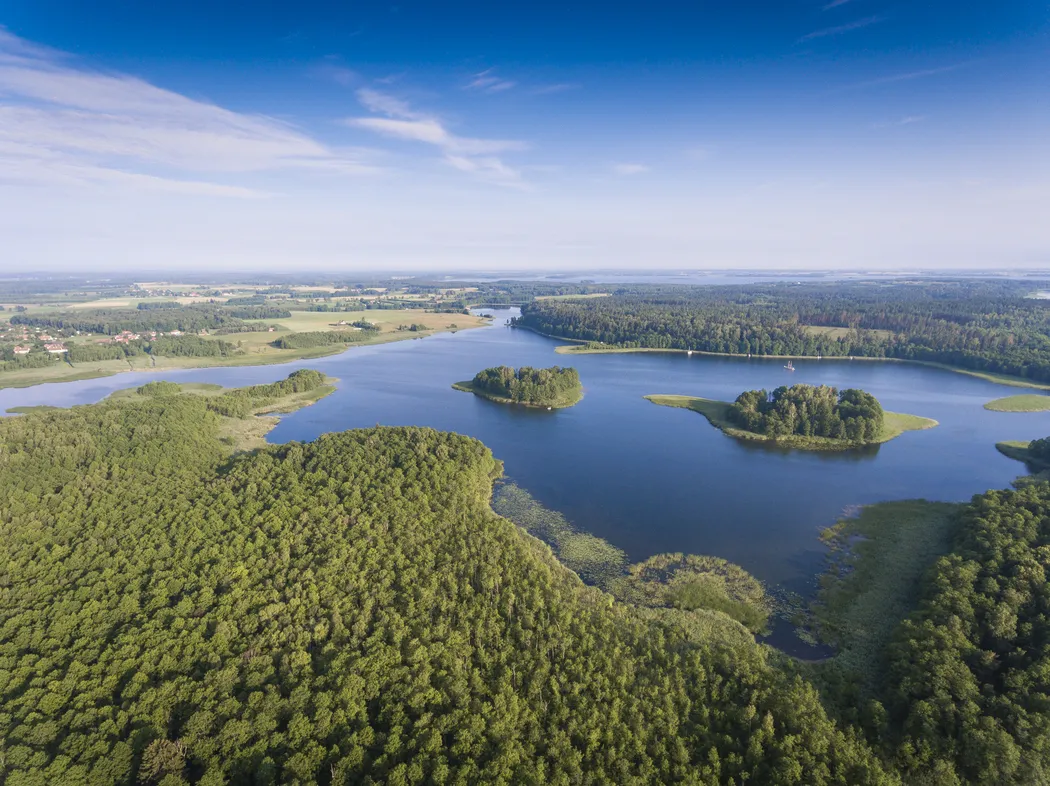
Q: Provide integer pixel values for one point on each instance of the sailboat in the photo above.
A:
(789, 366)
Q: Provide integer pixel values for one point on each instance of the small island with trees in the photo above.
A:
(552, 388)
(803, 416)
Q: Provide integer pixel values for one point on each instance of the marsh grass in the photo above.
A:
(1027, 402)
(710, 598)
(690, 582)
(876, 564)
(593, 559)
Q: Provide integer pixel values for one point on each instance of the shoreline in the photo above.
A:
(714, 411)
(237, 361)
(467, 386)
(575, 346)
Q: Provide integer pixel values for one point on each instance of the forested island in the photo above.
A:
(553, 388)
(989, 327)
(817, 417)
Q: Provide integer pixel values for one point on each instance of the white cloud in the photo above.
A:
(81, 123)
(488, 82)
(403, 122)
(630, 169)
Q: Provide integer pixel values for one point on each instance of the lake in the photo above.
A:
(652, 479)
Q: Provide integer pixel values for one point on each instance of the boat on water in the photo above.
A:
(789, 366)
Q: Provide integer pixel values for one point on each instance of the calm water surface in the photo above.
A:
(652, 479)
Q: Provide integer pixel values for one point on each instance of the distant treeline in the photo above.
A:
(973, 324)
(189, 319)
(810, 411)
(163, 346)
(526, 385)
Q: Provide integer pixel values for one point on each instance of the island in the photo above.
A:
(808, 417)
(550, 388)
(1031, 402)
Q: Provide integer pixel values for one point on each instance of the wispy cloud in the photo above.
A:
(903, 121)
(906, 76)
(487, 82)
(630, 169)
(558, 87)
(839, 29)
(467, 154)
(835, 4)
(60, 122)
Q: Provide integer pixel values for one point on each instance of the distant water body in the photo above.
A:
(652, 479)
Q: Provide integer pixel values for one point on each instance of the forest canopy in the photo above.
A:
(810, 411)
(341, 612)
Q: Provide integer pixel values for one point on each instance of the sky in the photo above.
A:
(309, 136)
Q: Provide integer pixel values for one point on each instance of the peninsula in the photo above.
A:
(552, 388)
(803, 416)
(1032, 402)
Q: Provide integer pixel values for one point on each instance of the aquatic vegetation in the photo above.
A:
(593, 559)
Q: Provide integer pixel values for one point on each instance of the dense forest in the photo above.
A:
(991, 326)
(968, 686)
(324, 338)
(341, 612)
(352, 611)
(1040, 449)
(810, 411)
(188, 319)
(546, 387)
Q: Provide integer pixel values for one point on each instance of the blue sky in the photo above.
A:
(867, 134)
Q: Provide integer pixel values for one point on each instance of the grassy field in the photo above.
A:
(468, 387)
(255, 347)
(717, 413)
(841, 332)
(876, 566)
(1028, 402)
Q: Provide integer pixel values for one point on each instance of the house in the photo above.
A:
(175, 333)
(55, 349)
(46, 337)
(21, 350)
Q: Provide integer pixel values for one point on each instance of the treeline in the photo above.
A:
(163, 346)
(968, 686)
(339, 612)
(1040, 449)
(988, 326)
(810, 411)
(526, 385)
(324, 338)
(188, 319)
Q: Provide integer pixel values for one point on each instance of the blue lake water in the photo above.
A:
(652, 479)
